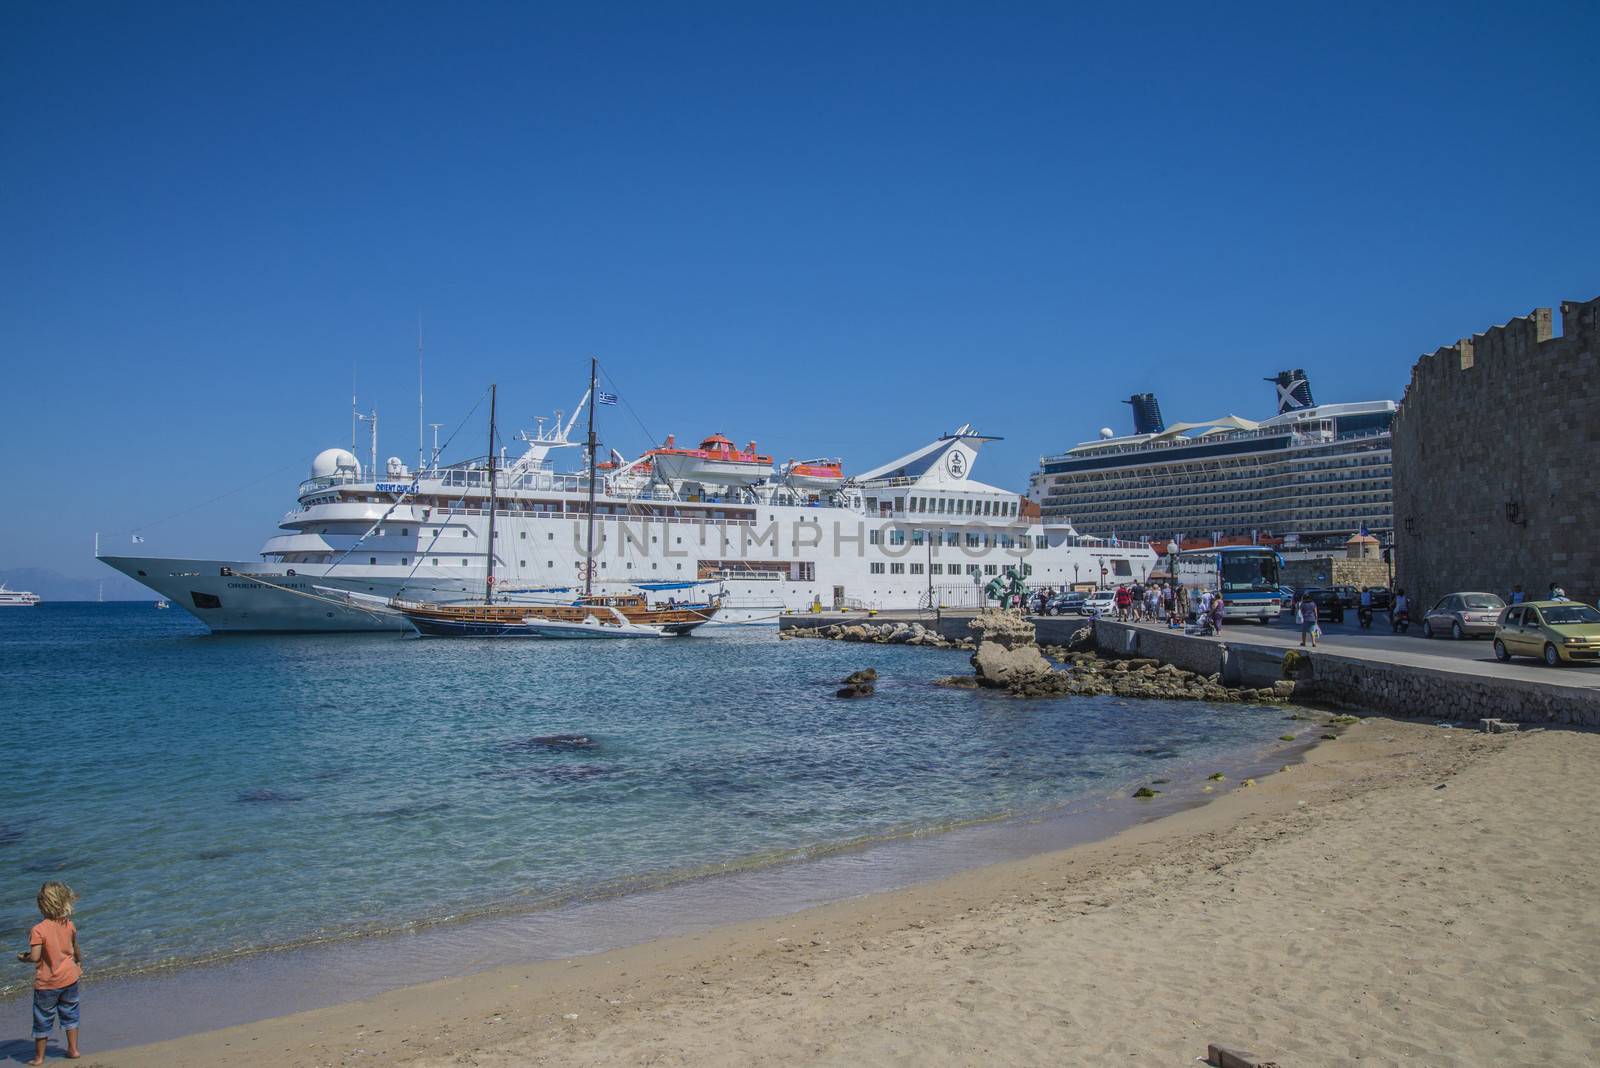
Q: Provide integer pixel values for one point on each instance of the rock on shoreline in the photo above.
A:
(1006, 656)
(878, 633)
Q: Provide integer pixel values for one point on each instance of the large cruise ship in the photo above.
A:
(915, 531)
(1311, 473)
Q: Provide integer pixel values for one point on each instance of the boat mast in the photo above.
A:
(588, 570)
(420, 443)
(488, 584)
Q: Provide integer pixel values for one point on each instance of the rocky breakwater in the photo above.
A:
(877, 633)
(1008, 658)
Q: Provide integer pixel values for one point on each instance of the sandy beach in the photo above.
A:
(1407, 895)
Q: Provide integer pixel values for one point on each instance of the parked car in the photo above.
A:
(1463, 614)
(1555, 631)
(1349, 595)
(1100, 603)
(1330, 605)
(1064, 604)
(1381, 597)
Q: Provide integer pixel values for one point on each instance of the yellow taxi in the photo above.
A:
(1554, 631)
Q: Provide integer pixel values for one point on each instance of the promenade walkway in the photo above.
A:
(1473, 656)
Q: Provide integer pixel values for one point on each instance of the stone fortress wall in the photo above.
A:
(1497, 462)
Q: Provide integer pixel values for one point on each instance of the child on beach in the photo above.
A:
(53, 951)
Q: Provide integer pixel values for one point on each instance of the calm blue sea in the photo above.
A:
(210, 794)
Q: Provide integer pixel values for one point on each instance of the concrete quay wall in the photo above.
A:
(1049, 630)
(1420, 692)
(1406, 690)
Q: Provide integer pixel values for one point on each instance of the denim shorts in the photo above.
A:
(47, 1004)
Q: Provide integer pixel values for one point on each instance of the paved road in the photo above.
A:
(1475, 655)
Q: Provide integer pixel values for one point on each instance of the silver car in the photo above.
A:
(1461, 615)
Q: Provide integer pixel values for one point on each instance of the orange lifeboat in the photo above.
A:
(813, 474)
(716, 461)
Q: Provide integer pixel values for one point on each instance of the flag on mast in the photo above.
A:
(602, 397)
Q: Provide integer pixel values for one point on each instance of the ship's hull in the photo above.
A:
(432, 626)
(245, 596)
(221, 595)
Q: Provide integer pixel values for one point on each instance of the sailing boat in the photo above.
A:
(589, 616)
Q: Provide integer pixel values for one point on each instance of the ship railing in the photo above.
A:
(600, 517)
(726, 575)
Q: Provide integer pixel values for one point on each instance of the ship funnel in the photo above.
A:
(1294, 390)
(1146, 414)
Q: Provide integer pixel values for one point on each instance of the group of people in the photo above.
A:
(1169, 603)
(1557, 593)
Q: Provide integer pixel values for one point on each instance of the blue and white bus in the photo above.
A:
(1246, 574)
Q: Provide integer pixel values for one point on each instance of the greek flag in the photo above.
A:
(1365, 533)
(602, 397)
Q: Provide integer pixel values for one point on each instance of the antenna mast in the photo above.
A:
(588, 571)
(488, 584)
(420, 453)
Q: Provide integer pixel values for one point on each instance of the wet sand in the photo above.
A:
(1409, 894)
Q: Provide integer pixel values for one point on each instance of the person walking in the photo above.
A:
(1306, 611)
(1557, 593)
(1517, 596)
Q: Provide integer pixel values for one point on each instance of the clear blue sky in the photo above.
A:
(835, 229)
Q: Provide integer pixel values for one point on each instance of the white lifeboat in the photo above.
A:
(715, 461)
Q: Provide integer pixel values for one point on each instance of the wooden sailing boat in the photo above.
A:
(605, 616)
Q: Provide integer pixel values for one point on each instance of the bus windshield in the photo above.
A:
(1249, 572)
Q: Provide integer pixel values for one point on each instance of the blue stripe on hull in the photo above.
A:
(442, 628)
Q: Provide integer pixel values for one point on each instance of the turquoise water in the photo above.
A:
(212, 794)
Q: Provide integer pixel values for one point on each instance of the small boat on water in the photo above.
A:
(610, 622)
(592, 616)
(17, 598)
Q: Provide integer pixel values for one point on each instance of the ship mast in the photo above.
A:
(488, 583)
(588, 571)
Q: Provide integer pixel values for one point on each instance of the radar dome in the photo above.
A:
(1107, 432)
(330, 462)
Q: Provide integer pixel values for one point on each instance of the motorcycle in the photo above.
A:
(1400, 622)
(1364, 617)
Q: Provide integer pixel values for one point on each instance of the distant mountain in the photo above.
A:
(54, 586)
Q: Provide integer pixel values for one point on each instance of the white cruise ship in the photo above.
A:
(1312, 473)
(17, 598)
(772, 538)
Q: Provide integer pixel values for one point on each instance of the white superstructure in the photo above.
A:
(906, 534)
(1313, 472)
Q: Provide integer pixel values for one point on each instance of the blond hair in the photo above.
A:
(55, 901)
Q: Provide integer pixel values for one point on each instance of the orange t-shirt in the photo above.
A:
(56, 967)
